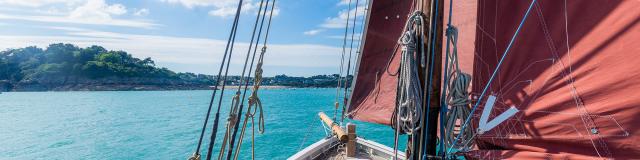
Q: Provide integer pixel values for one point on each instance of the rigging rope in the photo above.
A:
(495, 72)
(344, 50)
(237, 103)
(346, 77)
(409, 89)
(444, 106)
(256, 105)
(254, 102)
(358, 53)
(407, 116)
(428, 81)
(230, 40)
(458, 96)
(260, 16)
(231, 121)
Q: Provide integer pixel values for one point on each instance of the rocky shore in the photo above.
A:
(102, 84)
(109, 84)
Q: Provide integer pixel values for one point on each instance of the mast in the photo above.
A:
(430, 75)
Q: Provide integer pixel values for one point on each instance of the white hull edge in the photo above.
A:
(327, 148)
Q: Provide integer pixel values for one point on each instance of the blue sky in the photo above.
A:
(185, 35)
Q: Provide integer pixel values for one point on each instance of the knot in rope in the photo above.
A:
(195, 156)
(417, 17)
(452, 30)
(235, 102)
(254, 101)
(257, 106)
(408, 42)
(231, 120)
(409, 89)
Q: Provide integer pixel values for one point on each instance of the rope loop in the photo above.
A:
(452, 30)
(409, 101)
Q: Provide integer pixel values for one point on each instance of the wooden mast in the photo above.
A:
(433, 11)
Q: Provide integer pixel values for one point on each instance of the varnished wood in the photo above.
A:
(335, 128)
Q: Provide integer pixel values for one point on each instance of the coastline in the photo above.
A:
(263, 87)
(67, 88)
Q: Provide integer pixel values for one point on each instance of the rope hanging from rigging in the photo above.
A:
(234, 114)
(231, 121)
(227, 53)
(458, 96)
(344, 50)
(254, 102)
(407, 116)
(254, 106)
(409, 89)
(346, 77)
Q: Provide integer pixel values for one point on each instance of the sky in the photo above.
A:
(188, 35)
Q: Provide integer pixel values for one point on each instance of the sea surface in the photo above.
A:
(157, 124)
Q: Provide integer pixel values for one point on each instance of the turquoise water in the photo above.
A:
(155, 124)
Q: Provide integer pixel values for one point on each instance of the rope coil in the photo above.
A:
(407, 115)
(409, 101)
(457, 97)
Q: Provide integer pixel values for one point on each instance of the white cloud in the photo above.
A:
(38, 3)
(248, 7)
(93, 12)
(222, 8)
(200, 3)
(63, 19)
(355, 37)
(141, 12)
(344, 2)
(97, 11)
(180, 50)
(313, 32)
(230, 9)
(341, 20)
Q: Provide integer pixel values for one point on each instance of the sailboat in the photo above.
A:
(494, 79)
(486, 79)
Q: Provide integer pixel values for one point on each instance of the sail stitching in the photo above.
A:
(589, 124)
(515, 35)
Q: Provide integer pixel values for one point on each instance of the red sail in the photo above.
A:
(374, 93)
(573, 72)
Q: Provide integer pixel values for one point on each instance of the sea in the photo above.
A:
(159, 125)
